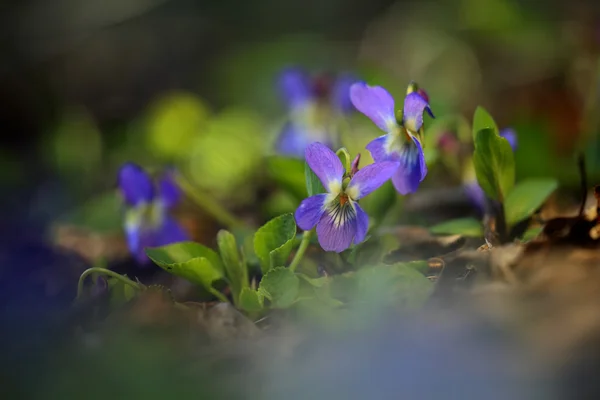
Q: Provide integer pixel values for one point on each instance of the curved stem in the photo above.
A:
(300, 253)
(108, 272)
(208, 204)
(218, 295)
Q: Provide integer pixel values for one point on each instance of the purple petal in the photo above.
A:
(375, 102)
(295, 86)
(414, 106)
(341, 93)
(337, 235)
(371, 177)
(412, 168)
(362, 224)
(378, 151)
(138, 238)
(169, 192)
(324, 163)
(310, 211)
(510, 135)
(475, 194)
(422, 163)
(135, 184)
(170, 232)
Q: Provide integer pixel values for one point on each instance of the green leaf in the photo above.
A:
(494, 164)
(469, 227)
(235, 269)
(273, 241)
(313, 183)
(280, 286)
(251, 300)
(192, 261)
(526, 197)
(483, 120)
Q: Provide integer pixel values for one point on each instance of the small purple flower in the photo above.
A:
(313, 103)
(339, 219)
(473, 191)
(147, 223)
(510, 135)
(475, 194)
(402, 141)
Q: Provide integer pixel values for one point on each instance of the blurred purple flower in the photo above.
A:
(473, 191)
(510, 135)
(313, 103)
(147, 222)
(339, 219)
(402, 141)
(448, 143)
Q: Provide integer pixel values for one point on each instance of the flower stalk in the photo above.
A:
(301, 250)
(104, 271)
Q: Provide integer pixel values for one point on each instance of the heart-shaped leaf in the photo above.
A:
(273, 241)
(192, 261)
(251, 300)
(280, 286)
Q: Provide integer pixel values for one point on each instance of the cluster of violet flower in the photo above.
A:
(313, 103)
(398, 155)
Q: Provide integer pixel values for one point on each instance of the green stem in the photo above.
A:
(218, 295)
(300, 253)
(108, 272)
(210, 205)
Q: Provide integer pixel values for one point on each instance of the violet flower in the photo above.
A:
(314, 104)
(339, 219)
(147, 221)
(402, 141)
